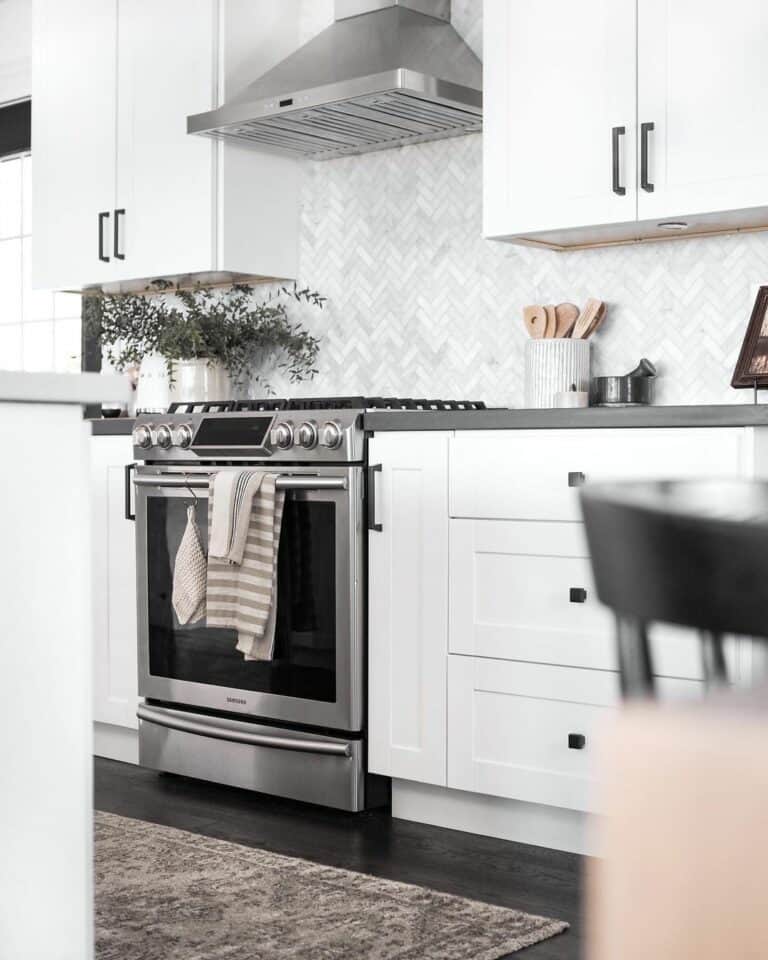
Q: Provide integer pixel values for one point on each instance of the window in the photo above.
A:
(39, 330)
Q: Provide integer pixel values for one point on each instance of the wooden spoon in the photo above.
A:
(598, 321)
(567, 314)
(535, 320)
(551, 322)
(588, 318)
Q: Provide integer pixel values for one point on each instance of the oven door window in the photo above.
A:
(304, 663)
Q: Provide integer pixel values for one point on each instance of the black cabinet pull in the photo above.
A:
(576, 479)
(102, 218)
(645, 183)
(116, 236)
(129, 514)
(616, 134)
(578, 595)
(576, 741)
(372, 471)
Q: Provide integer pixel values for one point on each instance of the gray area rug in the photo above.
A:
(164, 894)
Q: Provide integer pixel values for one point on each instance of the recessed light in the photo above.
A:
(673, 225)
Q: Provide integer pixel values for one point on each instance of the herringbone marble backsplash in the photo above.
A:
(420, 305)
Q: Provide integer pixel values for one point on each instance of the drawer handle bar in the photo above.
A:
(645, 130)
(616, 134)
(576, 479)
(576, 741)
(372, 524)
(577, 595)
(282, 483)
(175, 720)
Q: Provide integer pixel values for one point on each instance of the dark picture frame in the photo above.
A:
(752, 365)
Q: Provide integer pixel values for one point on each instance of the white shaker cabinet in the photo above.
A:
(408, 606)
(122, 194)
(559, 78)
(703, 79)
(73, 140)
(621, 120)
(114, 584)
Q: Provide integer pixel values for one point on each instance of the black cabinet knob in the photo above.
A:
(576, 741)
(578, 595)
(576, 479)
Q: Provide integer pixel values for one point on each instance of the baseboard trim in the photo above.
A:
(116, 743)
(542, 826)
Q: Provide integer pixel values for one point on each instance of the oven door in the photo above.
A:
(316, 675)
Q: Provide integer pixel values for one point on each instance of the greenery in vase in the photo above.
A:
(226, 326)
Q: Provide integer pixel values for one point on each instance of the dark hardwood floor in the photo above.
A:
(511, 874)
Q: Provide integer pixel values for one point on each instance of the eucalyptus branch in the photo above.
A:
(229, 327)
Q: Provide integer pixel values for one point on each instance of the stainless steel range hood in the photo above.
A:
(386, 73)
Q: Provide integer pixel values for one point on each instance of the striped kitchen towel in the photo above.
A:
(242, 596)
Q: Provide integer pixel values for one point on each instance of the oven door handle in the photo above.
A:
(222, 730)
(282, 483)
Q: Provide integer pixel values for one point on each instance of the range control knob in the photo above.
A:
(282, 436)
(307, 435)
(331, 435)
(142, 436)
(184, 436)
(164, 436)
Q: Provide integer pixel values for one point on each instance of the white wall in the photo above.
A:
(15, 49)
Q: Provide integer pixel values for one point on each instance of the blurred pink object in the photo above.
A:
(685, 839)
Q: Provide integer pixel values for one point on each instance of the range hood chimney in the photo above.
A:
(386, 73)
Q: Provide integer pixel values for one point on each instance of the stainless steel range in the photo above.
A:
(293, 726)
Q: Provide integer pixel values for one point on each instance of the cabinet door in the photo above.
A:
(114, 585)
(165, 178)
(528, 731)
(703, 74)
(559, 77)
(408, 607)
(73, 141)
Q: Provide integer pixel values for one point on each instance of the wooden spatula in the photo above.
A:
(598, 321)
(589, 318)
(535, 320)
(567, 314)
(549, 332)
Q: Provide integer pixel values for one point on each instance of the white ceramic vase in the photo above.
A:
(196, 380)
(152, 387)
(555, 366)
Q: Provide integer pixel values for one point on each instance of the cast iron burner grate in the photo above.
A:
(324, 403)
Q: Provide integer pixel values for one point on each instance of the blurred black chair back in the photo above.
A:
(693, 553)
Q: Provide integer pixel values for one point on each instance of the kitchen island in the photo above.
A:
(46, 910)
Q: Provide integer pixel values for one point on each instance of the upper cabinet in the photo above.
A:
(620, 120)
(122, 194)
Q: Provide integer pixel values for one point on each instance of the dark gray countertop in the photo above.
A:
(725, 415)
(112, 426)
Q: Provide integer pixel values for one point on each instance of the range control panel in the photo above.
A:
(286, 436)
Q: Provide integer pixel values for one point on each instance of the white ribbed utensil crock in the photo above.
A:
(552, 367)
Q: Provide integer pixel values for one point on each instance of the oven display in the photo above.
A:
(232, 432)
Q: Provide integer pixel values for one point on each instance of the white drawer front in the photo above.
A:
(509, 726)
(510, 594)
(510, 598)
(524, 474)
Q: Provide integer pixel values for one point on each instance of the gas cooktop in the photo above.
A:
(324, 403)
